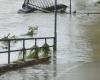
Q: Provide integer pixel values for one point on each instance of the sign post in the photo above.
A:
(55, 26)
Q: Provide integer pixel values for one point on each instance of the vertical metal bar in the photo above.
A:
(70, 6)
(35, 42)
(9, 52)
(54, 48)
(24, 50)
(55, 26)
(36, 54)
(45, 40)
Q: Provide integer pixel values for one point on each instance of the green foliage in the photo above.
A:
(32, 31)
(9, 36)
(34, 52)
(45, 50)
(5, 43)
(6, 37)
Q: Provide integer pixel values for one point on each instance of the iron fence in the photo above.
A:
(23, 44)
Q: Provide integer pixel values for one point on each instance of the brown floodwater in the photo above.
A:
(78, 37)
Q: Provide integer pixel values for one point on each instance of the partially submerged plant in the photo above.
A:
(5, 42)
(6, 37)
(32, 30)
(34, 52)
(45, 50)
(35, 28)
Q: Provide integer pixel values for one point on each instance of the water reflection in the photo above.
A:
(92, 36)
(46, 71)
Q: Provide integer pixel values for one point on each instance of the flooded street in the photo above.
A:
(78, 39)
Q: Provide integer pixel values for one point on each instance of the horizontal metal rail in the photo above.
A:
(21, 49)
(27, 38)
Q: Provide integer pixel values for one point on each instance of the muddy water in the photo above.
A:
(78, 37)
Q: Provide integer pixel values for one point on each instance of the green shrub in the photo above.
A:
(34, 52)
(45, 50)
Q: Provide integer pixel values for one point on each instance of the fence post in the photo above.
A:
(70, 6)
(45, 41)
(36, 54)
(24, 50)
(9, 52)
(35, 42)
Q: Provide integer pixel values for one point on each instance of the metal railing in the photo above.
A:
(23, 43)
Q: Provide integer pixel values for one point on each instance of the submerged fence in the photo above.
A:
(23, 45)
